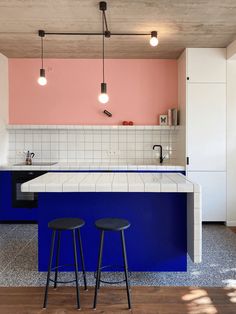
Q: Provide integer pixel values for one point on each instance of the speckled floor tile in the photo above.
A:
(22, 270)
(217, 269)
(15, 242)
(6, 229)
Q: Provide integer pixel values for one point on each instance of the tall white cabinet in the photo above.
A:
(206, 127)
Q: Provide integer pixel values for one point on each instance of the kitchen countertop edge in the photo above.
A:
(91, 166)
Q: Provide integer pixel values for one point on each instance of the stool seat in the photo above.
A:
(112, 224)
(66, 224)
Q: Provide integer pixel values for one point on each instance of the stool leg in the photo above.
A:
(57, 258)
(82, 259)
(98, 270)
(76, 269)
(49, 269)
(126, 267)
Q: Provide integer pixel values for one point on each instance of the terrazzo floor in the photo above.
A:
(18, 261)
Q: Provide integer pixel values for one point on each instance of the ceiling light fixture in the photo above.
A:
(154, 39)
(103, 97)
(42, 79)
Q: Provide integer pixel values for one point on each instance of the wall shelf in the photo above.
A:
(89, 127)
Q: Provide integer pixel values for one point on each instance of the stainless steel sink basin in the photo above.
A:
(37, 164)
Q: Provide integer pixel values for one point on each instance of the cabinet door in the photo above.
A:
(213, 194)
(206, 65)
(7, 212)
(206, 127)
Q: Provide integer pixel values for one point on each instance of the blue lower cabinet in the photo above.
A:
(7, 210)
(156, 240)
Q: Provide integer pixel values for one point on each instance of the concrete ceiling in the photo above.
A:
(180, 24)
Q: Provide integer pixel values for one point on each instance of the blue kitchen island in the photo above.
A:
(164, 210)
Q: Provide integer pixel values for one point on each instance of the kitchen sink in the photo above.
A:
(37, 164)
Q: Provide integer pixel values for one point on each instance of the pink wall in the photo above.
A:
(139, 90)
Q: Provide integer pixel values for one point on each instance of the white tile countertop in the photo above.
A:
(110, 182)
(130, 182)
(148, 165)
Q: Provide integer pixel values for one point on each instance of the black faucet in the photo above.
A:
(161, 157)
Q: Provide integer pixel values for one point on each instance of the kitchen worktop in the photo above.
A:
(110, 182)
(151, 165)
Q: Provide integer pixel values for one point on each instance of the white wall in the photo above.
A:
(231, 142)
(3, 108)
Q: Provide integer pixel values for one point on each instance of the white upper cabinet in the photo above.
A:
(206, 127)
(206, 65)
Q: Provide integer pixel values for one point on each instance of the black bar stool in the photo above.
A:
(59, 225)
(112, 224)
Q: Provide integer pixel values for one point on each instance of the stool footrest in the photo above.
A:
(60, 266)
(112, 267)
(57, 281)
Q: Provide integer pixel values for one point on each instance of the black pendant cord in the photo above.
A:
(103, 50)
(42, 51)
(95, 34)
(105, 21)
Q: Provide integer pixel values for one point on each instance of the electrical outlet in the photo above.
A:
(113, 153)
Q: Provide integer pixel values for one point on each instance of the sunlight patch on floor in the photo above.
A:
(231, 295)
(199, 302)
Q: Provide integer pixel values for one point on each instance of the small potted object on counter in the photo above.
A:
(128, 123)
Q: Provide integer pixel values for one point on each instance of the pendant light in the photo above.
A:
(103, 96)
(154, 39)
(42, 78)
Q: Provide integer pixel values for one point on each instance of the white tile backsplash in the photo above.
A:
(94, 144)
